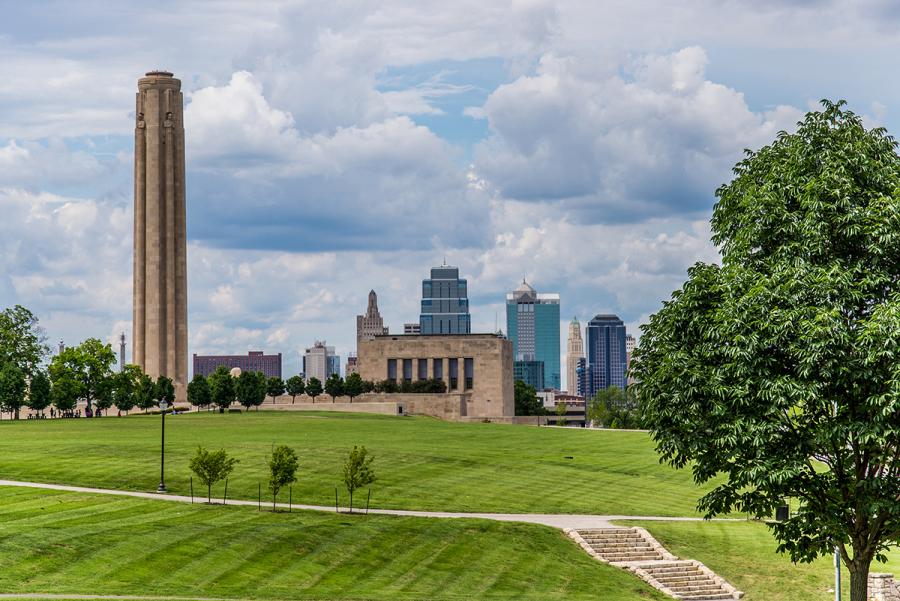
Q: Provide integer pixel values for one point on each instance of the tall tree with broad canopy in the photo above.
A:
(198, 393)
(21, 340)
(12, 388)
(314, 388)
(275, 387)
(780, 369)
(334, 386)
(145, 392)
(39, 392)
(246, 389)
(295, 386)
(221, 388)
(354, 385)
(90, 363)
(164, 390)
(126, 385)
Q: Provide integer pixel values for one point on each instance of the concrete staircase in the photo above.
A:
(635, 550)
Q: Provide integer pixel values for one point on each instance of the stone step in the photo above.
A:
(634, 549)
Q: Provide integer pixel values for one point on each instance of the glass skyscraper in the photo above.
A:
(532, 324)
(445, 303)
(606, 355)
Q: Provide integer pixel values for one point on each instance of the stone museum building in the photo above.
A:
(477, 368)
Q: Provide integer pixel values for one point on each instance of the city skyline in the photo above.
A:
(329, 152)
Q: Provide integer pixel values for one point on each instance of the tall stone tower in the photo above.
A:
(574, 352)
(159, 342)
(371, 324)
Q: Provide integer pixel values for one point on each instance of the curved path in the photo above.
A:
(555, 520)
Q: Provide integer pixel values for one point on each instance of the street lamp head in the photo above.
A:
(163, 404)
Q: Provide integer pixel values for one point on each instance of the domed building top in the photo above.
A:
(524, 290)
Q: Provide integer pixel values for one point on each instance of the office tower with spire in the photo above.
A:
(371, 324)
(445, 303)
(532, 324)
(574, 352)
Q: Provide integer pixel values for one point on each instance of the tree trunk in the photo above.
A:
(351, 501)
(859, 580)
(209, 493)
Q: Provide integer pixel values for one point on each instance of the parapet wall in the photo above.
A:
(882, 587)
(447, 406)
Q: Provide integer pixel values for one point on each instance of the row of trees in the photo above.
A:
(79, 373)
(211, 467)
(250, 389)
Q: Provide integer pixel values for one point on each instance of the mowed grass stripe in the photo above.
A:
(239, 553)
(421, 463)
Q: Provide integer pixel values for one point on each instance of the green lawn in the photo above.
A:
(70, 543)
(744, 554)
(422, 463)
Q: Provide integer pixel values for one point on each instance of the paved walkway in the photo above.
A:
(560, 520)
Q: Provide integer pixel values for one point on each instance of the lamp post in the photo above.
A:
(163, 405)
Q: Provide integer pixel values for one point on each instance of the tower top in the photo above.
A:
(159, 73)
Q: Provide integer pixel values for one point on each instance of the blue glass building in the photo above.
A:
(606, 355)
(532, 324)
(445, 303)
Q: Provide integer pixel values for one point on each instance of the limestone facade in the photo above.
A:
(574, 352)
(478, 367)
(371, 324)
(159, 344)
(882, 587)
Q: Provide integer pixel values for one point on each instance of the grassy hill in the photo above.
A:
(421, 463)
(68, 543)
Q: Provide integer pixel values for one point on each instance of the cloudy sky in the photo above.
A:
(334, 147)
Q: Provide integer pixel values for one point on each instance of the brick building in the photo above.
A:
(252, 361)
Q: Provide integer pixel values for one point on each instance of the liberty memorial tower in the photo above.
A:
(160, 258)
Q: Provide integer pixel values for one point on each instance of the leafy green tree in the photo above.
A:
(22, 340)
(295, 386)
(614, 407)
(245, 389)
(334, 386)
(145, 393)
(221, 388)
(262, 387)
(368, 386)
(66, 391)
(314, 388)
(198, 392)
(164, 390)
(353, 385)
(775, 374)
(527, 401)
(90, 363)
(283, 466)
(125, 387)
(39, 392)
(358, 471)
(12, 388)
(105, 395)
(275, 387)
(211, 467)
